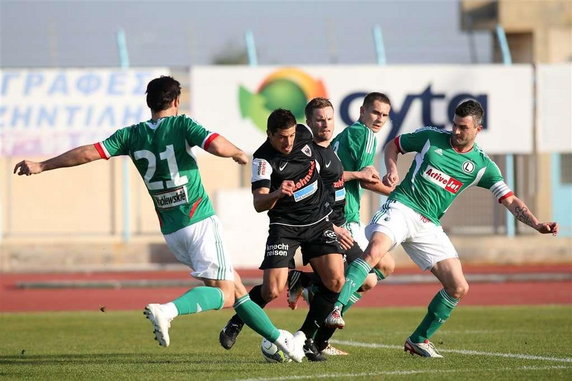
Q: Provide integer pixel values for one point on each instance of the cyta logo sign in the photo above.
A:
(287, 88)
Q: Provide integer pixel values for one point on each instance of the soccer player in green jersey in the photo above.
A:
(160, 148)
(356, 146)
(446, 163)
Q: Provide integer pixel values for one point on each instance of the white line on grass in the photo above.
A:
(461, 351)
(401, 373)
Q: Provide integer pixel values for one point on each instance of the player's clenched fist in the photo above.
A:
(547, 227)
(287, 188)
(370, 174)
(391, 179)
(26, 167)
(240, 158)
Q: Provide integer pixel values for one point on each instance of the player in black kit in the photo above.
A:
(286, 183)
(320, 117)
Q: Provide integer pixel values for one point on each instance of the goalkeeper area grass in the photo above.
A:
(509, 343)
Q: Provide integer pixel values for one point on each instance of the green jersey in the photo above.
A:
(439, 173)
(355, 146)
(161, 152)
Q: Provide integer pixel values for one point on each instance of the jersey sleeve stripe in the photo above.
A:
(500, 190)
(260, 184)
(100, 147)
(208, 140)
(397, 142)
(505, 196)
(370, 141)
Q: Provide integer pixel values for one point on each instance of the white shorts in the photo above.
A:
(424, 242)
(200, 246)
(357, 231)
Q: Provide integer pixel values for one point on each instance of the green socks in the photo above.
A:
(199, 299)
(378, 274)
(254, 317)
(438, 312)
(211, 298)
(355, 275)
(351, 301)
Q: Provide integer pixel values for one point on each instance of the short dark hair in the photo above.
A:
(375, 96)
(316, 104)
(161, 92)
(280, 119)
(470, 107)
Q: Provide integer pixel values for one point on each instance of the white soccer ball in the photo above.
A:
(271, 353)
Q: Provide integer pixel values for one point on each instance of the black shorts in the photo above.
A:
(314, 240)
(353, 253)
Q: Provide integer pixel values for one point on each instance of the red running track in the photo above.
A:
(16, 299)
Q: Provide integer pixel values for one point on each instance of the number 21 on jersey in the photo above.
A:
(168, 155)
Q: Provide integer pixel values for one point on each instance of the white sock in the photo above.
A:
(170, 309)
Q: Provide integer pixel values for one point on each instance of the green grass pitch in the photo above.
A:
(493, 343)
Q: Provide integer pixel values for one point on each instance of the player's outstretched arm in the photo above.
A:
(77, 156)
(519, 209)
(367, 174)
(220, 146)
(377, 187)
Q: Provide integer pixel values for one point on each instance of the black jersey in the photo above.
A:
(270, 168)
(332, 174)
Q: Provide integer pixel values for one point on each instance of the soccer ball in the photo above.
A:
(271, 353)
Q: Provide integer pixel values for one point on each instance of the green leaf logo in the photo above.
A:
(287, 88)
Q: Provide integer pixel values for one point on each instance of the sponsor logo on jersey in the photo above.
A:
(340, 194)
(442, 180)
(171, 198)
(307, 151)
(328, 165)
(439, 151)
(306, 191)
(304, 180)
(468, 166)
(340, 191)
(261, 168)
(282, 166)
(279, 249)
(338, 184)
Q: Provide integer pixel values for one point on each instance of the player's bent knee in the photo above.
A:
(458, 291)
(228, 297)
(387, 265)
(369, 283)
(270, 294)
(374, 253)
(464, 290)
(334, 284)
(228, 301)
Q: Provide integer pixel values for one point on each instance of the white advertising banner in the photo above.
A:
(235, 101)
(49, 111)
(554, 108)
